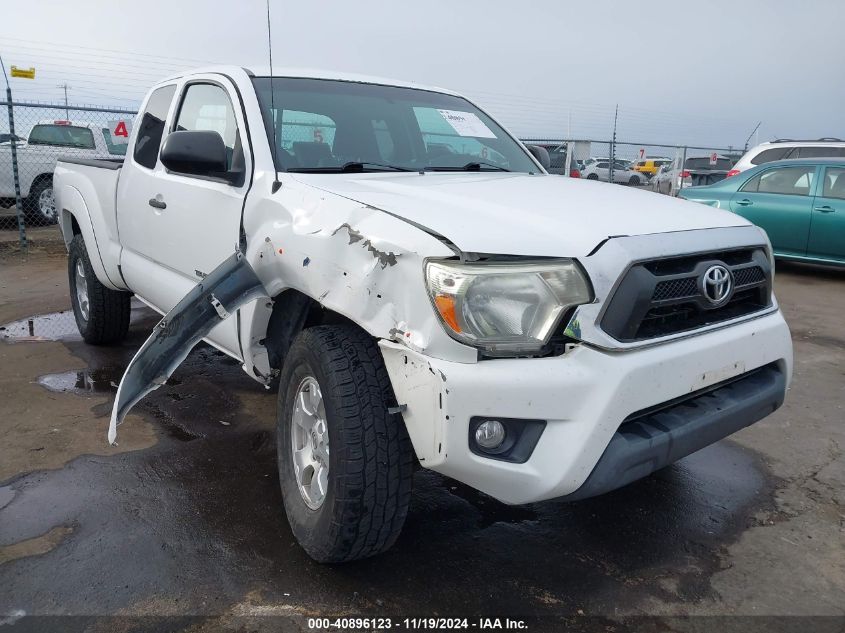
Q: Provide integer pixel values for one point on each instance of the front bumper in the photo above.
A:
(584, 396)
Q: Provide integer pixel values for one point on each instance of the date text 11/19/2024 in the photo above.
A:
(414, 624)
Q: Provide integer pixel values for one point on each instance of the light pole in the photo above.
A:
(14, 145)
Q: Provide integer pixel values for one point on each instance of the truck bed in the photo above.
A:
(94, 180)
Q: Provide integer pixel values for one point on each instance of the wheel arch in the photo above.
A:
(291, 312)
(74, 220)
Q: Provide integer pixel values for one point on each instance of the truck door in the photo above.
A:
(192, 223)
(827, 229)
(779, 200)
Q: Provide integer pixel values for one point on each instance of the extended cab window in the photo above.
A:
(796, 181)
(207, 107)
(151, 128)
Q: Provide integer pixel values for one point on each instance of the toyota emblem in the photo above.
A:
(716, 284)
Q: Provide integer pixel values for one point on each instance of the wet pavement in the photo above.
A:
(191, 523)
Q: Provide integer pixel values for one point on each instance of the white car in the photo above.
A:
(787, 149)
(46, 141)
(532, 336)
(622, 173)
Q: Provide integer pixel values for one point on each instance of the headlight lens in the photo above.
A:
(506, 309)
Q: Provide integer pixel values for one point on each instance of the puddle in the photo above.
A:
(6, 496)
(83, 381)
(56, 326)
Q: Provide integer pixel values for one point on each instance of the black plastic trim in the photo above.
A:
(100, 163)
(651, 439)
(521, 437)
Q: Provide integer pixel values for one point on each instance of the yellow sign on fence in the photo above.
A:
(23, 73)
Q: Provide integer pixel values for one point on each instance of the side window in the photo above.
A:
(795, 181)
(151, 128)
(818, 152)
(768, 155)
(834, 183)
(208, 107)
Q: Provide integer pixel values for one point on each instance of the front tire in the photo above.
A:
(345, 463)
(102, 314)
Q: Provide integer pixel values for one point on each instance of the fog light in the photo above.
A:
(490, 434)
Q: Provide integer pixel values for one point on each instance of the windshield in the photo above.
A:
(62, 136)
(331, 126)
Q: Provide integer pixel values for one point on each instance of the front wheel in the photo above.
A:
(102, 314)
(593, 177)
(345, 462)
(634, 181)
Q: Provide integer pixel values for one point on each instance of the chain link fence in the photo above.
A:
(657, 167)
(43, 132)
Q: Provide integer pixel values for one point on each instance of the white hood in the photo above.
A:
(519, 214)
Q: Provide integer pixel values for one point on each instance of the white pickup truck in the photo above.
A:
(421, 291)
(37, 156)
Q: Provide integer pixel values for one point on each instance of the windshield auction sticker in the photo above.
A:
(466, 123)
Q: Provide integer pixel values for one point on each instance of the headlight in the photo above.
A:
(505, 309)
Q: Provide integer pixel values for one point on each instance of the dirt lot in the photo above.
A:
(184, 518)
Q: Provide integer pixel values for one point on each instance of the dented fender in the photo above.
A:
(219, 295)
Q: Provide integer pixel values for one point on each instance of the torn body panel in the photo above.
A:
(351, 259)
(229, 286)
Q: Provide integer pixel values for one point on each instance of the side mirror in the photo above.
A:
(196, 152)
(541, 154)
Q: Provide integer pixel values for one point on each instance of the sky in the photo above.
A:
(700, 72)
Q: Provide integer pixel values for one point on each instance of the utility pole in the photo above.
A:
(65, 86)
(14, 145)
(613, 146)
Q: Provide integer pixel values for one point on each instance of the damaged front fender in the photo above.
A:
(229, 286)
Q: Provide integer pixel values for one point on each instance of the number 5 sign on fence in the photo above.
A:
(120, 131)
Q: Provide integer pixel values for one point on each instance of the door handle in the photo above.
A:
(745, 202)
(825, 209)
(157, 204)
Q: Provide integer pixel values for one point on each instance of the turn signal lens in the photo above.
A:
(446, 308)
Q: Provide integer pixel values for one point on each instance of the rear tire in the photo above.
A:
(41, 204)
(102, 314)
(360, 509)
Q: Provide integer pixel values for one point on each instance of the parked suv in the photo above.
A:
(788, 149)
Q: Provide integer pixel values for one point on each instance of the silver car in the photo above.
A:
(622, 173)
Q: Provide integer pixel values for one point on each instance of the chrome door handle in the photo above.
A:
(744, 202)
(825, 209)
(157, 204)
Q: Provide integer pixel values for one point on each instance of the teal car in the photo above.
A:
(799, 203)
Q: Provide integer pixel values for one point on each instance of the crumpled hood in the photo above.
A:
(520, 214)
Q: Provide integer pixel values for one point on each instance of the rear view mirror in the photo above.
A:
(541, 154)
(195, 152)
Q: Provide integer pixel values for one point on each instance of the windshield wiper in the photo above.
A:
(350, 167)
(473, 166)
